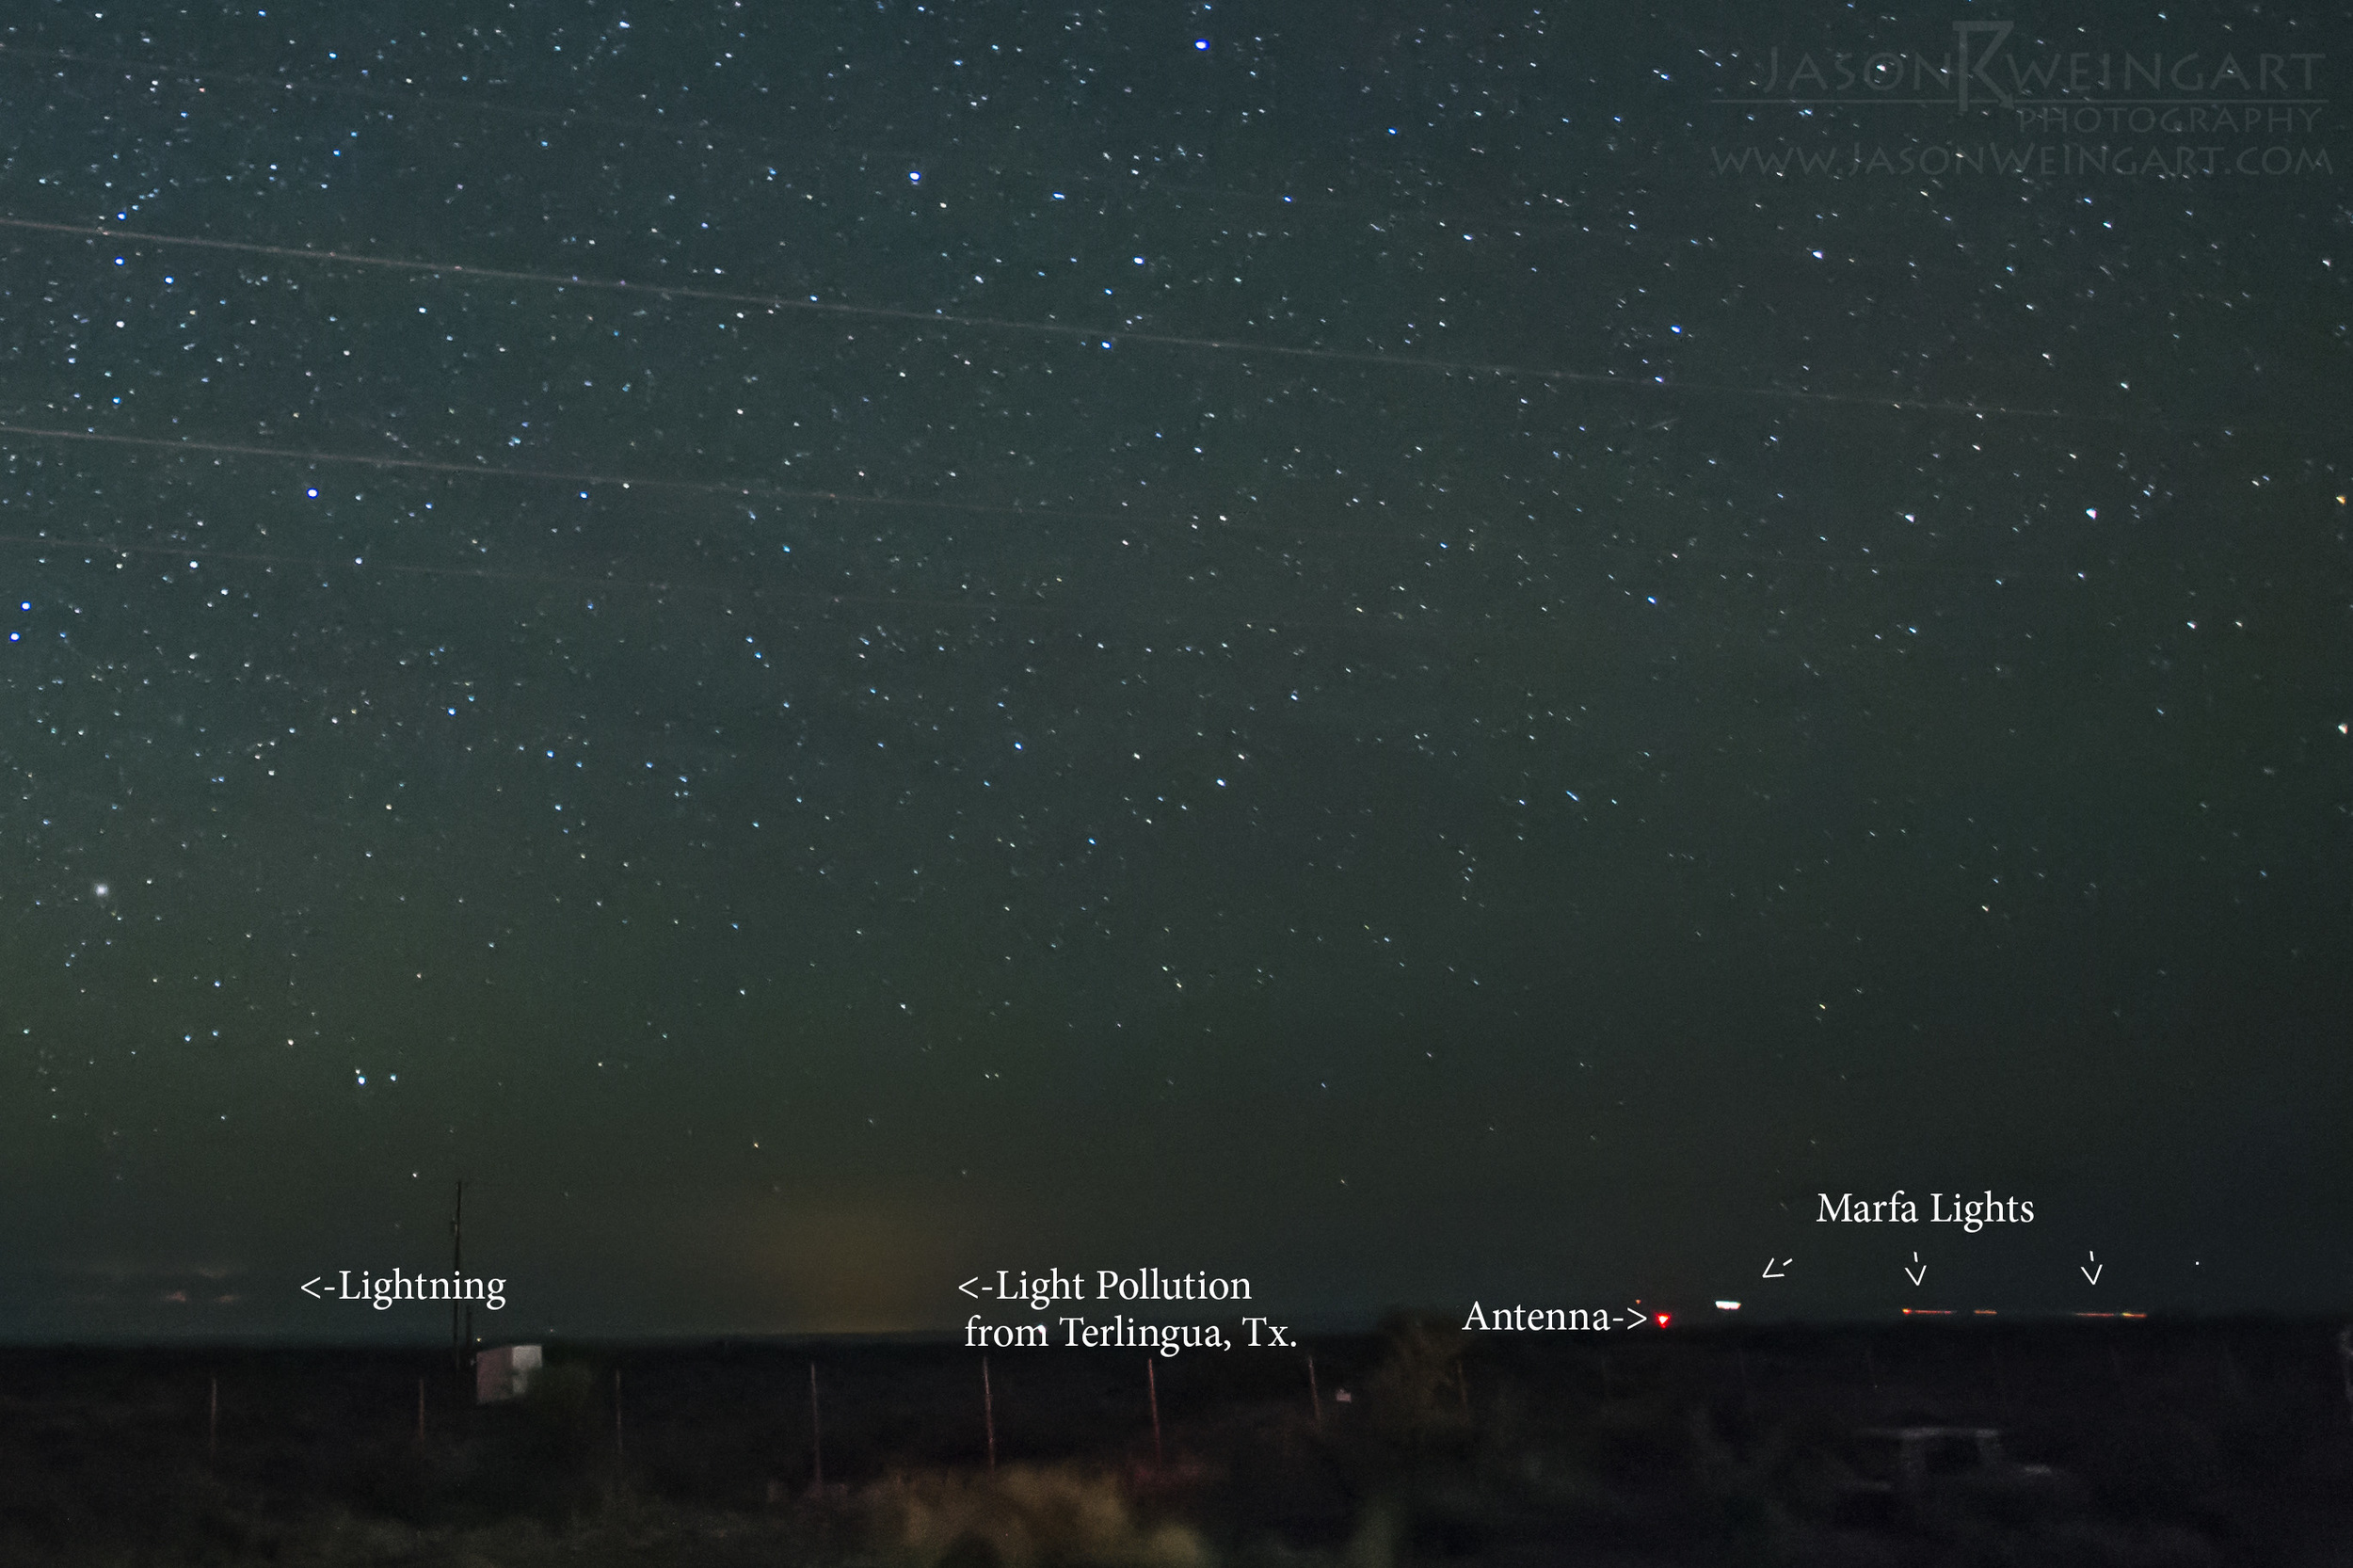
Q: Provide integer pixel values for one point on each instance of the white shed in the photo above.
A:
(504, 1372)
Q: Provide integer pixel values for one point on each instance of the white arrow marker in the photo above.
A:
(1916, 1275)
(1769, 1266)
(967, 1287)
(308, 1291)
(1636, 1320)
(2093, 1273)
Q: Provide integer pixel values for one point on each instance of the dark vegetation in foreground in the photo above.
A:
(2139, 1442)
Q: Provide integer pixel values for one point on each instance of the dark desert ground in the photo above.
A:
(2166, 1443)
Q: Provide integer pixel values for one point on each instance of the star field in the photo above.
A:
(1297, 644)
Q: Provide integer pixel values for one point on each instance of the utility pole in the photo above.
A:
(988, 1415)
(816, 1436)
(1152, 1388)
(458, 1337)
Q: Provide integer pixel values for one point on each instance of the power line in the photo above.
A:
(1223, 522)
(1107, 336)
(487, 471)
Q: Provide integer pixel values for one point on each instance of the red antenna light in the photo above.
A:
(1662, 1318)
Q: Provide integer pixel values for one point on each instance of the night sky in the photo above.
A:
(1318, 642)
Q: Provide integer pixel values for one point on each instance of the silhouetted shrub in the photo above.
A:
(1024, 1517)
(1416, 1395)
